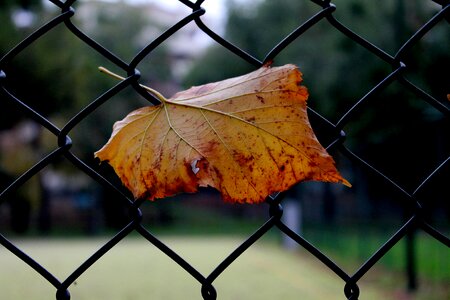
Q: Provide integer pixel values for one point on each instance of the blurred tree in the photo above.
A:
(57, 76)
(24, 4)
(20, 205)
(399, 134)
(398, 127)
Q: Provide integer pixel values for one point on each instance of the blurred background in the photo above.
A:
(398, 133)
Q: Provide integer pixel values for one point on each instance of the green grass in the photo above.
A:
(351, 248)
(135, 270)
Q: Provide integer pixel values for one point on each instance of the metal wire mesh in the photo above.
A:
(415, 220)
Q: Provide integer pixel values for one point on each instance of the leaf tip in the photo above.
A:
(346, 183)
(98, 155)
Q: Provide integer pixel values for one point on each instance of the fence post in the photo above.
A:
(411, 269)
(292, 217)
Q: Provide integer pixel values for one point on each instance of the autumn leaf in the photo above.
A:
(247, 136)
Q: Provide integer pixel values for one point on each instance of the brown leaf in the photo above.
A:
(247, 136)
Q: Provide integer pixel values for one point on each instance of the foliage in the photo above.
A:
(66, 81)
(57, 76)
(24, 4)
(339, 72)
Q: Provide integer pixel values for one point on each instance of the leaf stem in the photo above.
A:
(118, 77)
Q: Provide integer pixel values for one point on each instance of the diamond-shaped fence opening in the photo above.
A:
(359, 135)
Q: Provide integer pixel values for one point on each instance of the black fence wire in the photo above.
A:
(415, 220)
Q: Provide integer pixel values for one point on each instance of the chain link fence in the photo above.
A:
(416, 220)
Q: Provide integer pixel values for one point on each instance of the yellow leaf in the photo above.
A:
(247, 136)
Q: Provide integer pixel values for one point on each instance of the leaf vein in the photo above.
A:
(232, 85)
(228, 151)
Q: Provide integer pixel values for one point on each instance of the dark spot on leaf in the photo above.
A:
(218, 174)
(242, 159)
(312, 164)
(261, 99)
